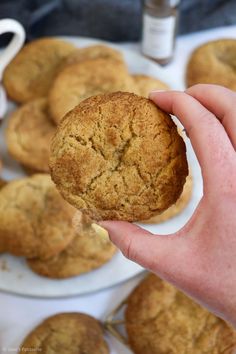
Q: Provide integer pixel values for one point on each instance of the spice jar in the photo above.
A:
(160, 19)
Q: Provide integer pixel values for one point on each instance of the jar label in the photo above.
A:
(158, 36)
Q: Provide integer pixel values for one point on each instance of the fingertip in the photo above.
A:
(153, 94)
(117, 227)
(114, 228)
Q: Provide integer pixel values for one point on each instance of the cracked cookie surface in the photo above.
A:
(117, 156)
(30, 74)
(35, 221)
(29, 135)
(67, 333)
(88, 78)
(213, 63)
(87, 251)
(176, 208)
(145, 84)
(160, 319)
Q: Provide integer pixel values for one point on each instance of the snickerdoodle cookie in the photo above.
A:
(118, 156)
(213, 63)
(35, 221)
(86, 252)
(145, 84)
(67, 333)
(176, 208)
(29, 75)
(160, 319)
(88, 78)
(94, 52)
(29, 135)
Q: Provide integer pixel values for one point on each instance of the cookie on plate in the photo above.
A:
(88, 78)
(87, 251)
(213, 63)
(30, 74)
(94, 52)
(29, 135)
(145, 84)
(35, 221)
(176, 208)
(160, 319)
(118, 156)
(67, 333)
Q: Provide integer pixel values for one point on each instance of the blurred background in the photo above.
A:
(113, 20)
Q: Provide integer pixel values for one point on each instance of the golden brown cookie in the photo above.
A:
(30, 74)
(87, 251)
(94, 52)
(34, 219)
(213, 63)
(160, 319)
(117, 156)
(67, 333)
(29, 135)
(82, 80)
(146, 84)
(176, 208)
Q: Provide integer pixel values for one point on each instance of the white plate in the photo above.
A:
(16, 277)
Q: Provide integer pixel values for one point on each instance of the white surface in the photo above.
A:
(18, 276)
(19, 315)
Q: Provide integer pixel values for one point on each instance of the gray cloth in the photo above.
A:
(114, 20)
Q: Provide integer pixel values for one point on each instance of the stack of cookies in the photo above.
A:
(37, 223)
(49, 78)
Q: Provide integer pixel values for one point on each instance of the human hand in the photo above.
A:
(199, 259)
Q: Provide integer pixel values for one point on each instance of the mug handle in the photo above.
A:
(13, 26)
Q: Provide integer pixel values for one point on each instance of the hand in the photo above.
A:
(199, 259)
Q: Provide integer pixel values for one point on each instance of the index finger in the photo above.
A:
(208, 137)
(221, 102)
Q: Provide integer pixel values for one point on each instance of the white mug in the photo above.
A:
(7, 54)
(12, 26)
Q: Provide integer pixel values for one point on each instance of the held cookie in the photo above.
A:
(30, 74)
(176, 208)
(160, 319)
(145, 84)
(29, 135)
(86, 252)
(88, 78)
(213, 63)
(35, 221)
(67, 333)
(94, 52)
(117, 156)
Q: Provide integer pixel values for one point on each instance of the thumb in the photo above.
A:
(159, 253)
